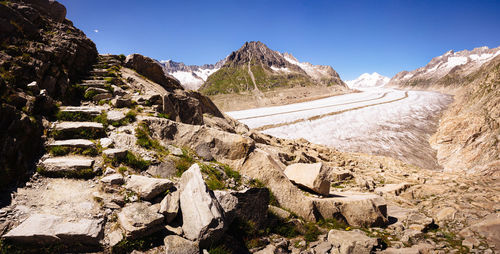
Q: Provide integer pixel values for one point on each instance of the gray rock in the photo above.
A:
(66, 164)
(80, 143)
(106, 142)
(281, 213)
(169, 206)
(114, 179)
(202, 215)
(164, 169)
(147, 187)
(140, 219)
(115, 115)
(248, 205)
(351, 242)
(310, 176)
(178, 245)
(42, 229)
(323, 248)
(152, 70)
(115, 153)
(121, 103)
(101, 96)
(392, 189)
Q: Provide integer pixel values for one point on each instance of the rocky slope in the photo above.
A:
(191, 76)
(41, 54)
(467, 137)
(255, 67)
(367, 81)
(446, 70)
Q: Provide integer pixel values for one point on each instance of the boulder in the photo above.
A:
(113, 179)
(44, 229)
(247, 205)
(178, 245)
(115, 153)
(169, 206)
(147, 187)
(140, 219)
(183, 108)
(202, 215)
(281, 213)
(488, 228)
(313, 177)
(152, 70)
(351, 242)
(164, 169)
(121, 103)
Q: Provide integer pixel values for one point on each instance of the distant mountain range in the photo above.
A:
(191, 76)
(447, 69)
(252, 67)
(367, 80)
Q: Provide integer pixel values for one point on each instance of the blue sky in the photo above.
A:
(352, 36)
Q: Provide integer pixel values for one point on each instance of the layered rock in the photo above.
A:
(152, 70)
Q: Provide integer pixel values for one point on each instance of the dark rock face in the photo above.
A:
(189, 107)
(153, 70)
(41, 48)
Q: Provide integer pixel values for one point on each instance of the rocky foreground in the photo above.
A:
(136, 164)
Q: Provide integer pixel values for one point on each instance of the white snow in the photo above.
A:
(193, 80)
(368, 81)
(400, 129)
(286, 70)
(455, 61)
(310, 69)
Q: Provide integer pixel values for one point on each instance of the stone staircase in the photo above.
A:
(72, 146)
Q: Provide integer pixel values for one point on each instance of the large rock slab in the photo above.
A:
(359, 209)
(313, 177)
(223, 146)
(152, 70)
(43, 229)
(488, 228)
(178, 245)
(147, 187)
(86, 110)
(78, 143)
(351, 242)
(140, 219)
(202, 215)
(66, 165)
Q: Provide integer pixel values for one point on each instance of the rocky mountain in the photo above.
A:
(255, 67)
(41, 54)
(445, 70)
(367, 80)
(191, 76)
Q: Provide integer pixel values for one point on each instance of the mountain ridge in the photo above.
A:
(270, 68)
(367, 80)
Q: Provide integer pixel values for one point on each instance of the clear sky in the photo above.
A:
(352, 36)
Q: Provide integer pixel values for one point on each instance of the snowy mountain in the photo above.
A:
(445, 69)
(367, 80)
(190, 76)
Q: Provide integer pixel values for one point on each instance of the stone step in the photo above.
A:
(67, 166)
(47, 229)
(73, 130)
(96, 90)
(83, 109)
(73, 143)
(99, 72)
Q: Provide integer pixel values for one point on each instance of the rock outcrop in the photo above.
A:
(152, 70)
(41, 54)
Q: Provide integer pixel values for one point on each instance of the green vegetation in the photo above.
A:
(80, 174)
(64, 150)
(89, 94)
(215, 179)
(162, 115)
(221, 249)
(143, 244)
(135, 162)
(332, 224)
(312, 232)
(184, 162)
(256, 183)
(144, 139)
(230, 173)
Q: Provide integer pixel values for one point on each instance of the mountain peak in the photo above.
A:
(367, 80)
